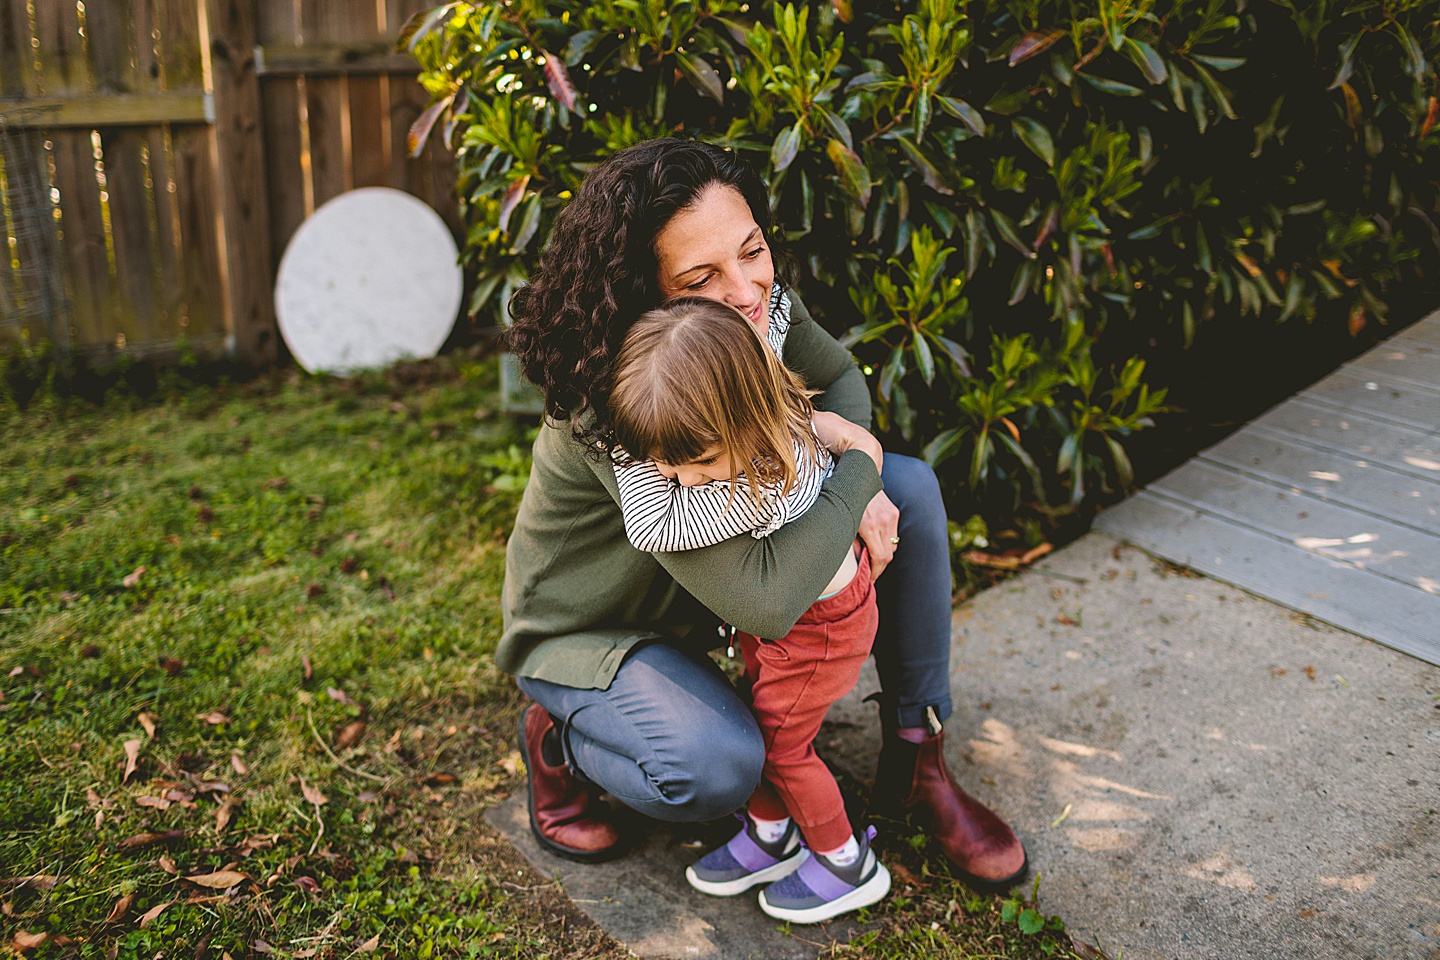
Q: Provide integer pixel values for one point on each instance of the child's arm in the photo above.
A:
(662, 515)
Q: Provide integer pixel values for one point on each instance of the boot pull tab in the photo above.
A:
(932, 721)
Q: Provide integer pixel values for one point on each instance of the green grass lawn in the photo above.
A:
(247, 706)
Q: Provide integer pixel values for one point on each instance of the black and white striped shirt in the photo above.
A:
(661, 515)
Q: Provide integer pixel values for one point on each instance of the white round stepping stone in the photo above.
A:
(369, 279)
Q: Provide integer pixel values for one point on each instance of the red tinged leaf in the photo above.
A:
(420, 129)
(1251, 267)
(1352, 105)
(558, 80)
(1033, 44)
(1358, 318)
(854, 176)
(508, 202)
(308, 884)
(1431, 116)
(844, 10)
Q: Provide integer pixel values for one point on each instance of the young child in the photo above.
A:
(725, 442)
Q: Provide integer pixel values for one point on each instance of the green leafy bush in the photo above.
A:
(1004, 203)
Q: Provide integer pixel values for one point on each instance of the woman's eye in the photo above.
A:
(751, 255)
(698, 284)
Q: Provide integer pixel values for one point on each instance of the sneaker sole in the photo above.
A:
(872, 891)
(730, 888)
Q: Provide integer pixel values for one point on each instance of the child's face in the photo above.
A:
(713, 464)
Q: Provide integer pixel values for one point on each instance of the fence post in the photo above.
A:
(244, 205)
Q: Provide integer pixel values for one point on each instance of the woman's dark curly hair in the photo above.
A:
(599, 269)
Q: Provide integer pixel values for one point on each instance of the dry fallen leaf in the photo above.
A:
(238, 765)
(148, 721)
(219, 880)
(313, 794)
(144, 839)
(350, 735)
(159, 803)
(305, 664)
(23, 941)
(371, 945)
(335, 693)
(513, 764)
(214, 718)
(153, 912)
(132, 754)
(308, 884)
(134, 578)
(121, 907)
(168, 866)
(224, 813)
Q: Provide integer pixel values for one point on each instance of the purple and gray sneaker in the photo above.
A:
(820, 890)
(746, 861)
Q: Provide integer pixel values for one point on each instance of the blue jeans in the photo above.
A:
(671, 737)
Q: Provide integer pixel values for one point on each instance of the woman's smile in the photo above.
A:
(715, 249)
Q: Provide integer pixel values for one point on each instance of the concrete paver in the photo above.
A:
(1197, 773)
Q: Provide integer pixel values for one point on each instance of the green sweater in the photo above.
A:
(578, 596)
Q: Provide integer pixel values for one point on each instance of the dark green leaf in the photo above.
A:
(701, 75)
(1219, 63)
(1008, 233)
(1034, 135)
(529, 223)
(787, 144)
(924, 360)
(1113, 87)
(581, 44)
(932, 176)
(945, 445)
(1007, 102)
(965, 113)
(1146, 59)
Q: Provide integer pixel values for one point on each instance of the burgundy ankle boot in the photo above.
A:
(566, 816)
(912, 780)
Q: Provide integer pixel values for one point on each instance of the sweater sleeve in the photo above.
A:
(825, 365)
(762, 586)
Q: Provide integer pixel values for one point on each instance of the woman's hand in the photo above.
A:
(878, 528)
(881, 520)
(839, 435)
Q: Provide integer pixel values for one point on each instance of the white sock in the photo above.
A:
(770, 830)
(846, 855)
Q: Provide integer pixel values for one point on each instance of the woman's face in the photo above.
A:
(715, 249)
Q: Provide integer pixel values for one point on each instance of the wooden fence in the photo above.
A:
(157, 155)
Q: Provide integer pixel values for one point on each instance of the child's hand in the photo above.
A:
(839, 435)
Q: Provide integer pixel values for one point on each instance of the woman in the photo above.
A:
(610, 641)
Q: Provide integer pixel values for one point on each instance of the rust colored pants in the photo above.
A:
(794, 681)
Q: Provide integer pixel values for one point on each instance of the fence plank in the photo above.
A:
(114, 59)
(283, 129)
(82, 225)
(245, 213)
(37, 288)
(200, 290)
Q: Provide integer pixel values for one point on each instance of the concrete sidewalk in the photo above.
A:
(1197, 773)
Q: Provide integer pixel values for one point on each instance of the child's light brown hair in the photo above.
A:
(693, 373)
